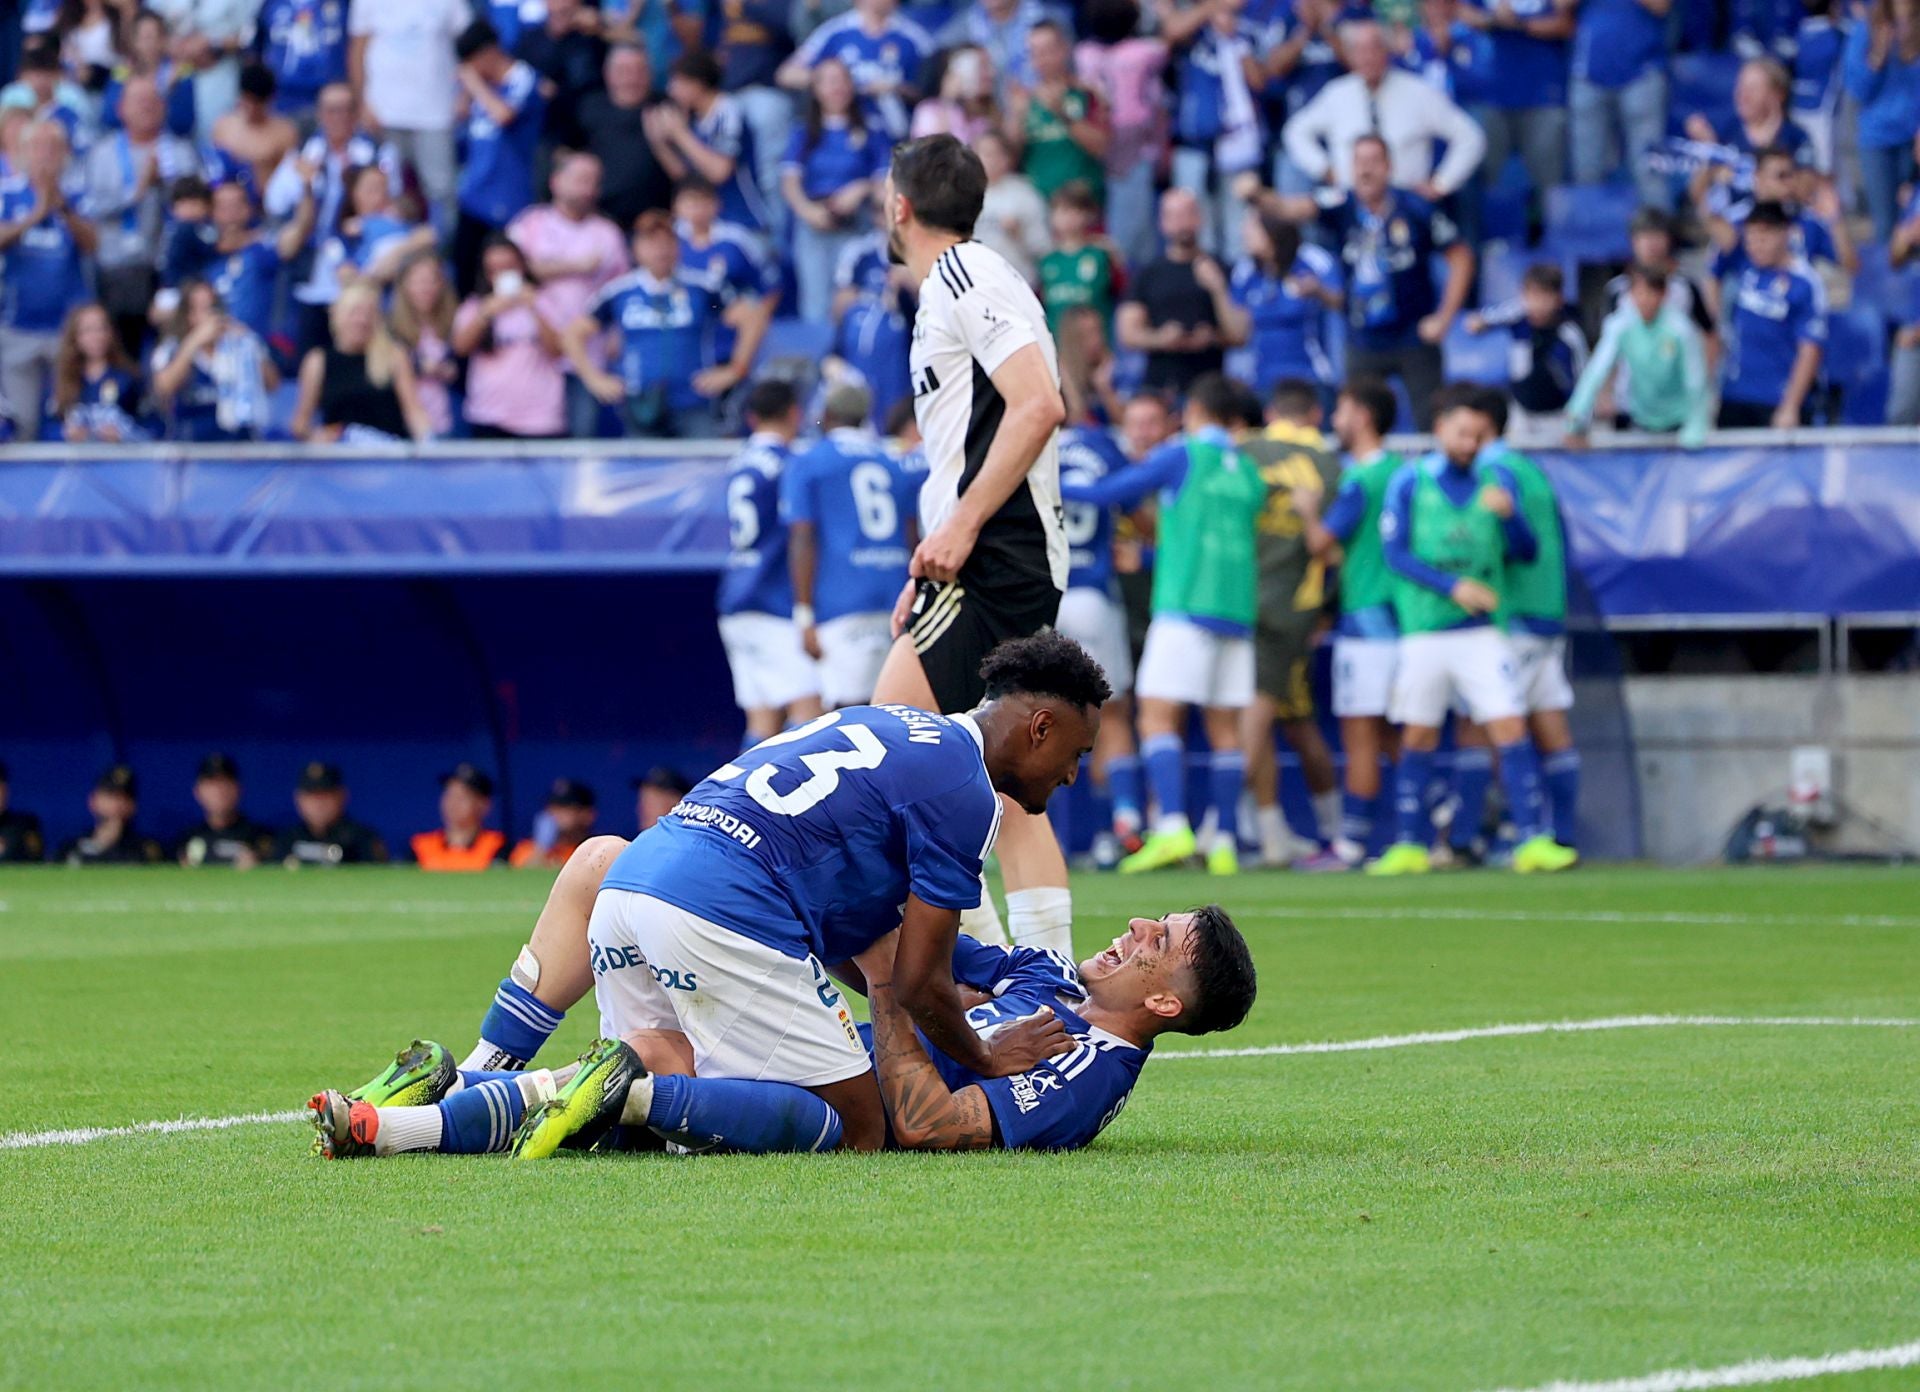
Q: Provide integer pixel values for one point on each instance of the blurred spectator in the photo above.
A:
(146, 56)
(1175, 305)
(1001, 28)
(376, 232)
(881, 51)
(216, 237)
(1547, 356)
(1619, 95)
(253, 135)
(664, 28)
(1883, 74)
(421, 322)
(1307, 55)
(1525, 106)
(514, 385)
(90, 35)
(963, 104)
(1083, 269)
(113, 841)
(1666, 386)
(325, 835)
(832, 162)
(729, 263)
(658, 792)
(1819, 233)
(1086, 368)
(44, 276)
(568, 53)
(303, 43)
(1903, 397)
(128, 174)
(572, 252)
(400, 59)
(1652, 241)
(1401, 112)
(504, 107)
(1058, 126)
(211, 374)
(1217, 131)
(1819, 47)
(1287, 288)
(1776, 326)
(1013, 216)
(208, 37)
(662, 320)
(752, 43)
(567, 822)
(1449, 55)
(1759, 119)
(462, 841)
(225, 835)
(362, 381)
(21, 839)
(96, 393)
(1128, 71)
(45, 95)
(615, 125)
(873, 305)
(700, 130)
(1388, 239)
(321, 164)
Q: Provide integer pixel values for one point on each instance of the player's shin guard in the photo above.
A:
(1562, 770)
(1410, 778)
(1472, 776)
(1227, 777)
(741, 1115)
(1042, 918)
(1520, 779)
(517, 1024)
(1166, 760)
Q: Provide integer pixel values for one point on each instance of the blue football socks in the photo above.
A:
(749, 1116)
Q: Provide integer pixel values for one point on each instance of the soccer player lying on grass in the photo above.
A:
(1187, 973)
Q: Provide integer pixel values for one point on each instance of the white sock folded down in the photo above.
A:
(1042, 918)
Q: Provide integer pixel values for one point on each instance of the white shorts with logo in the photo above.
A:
(1096, 621)
(770, 668)
(748, 1011)
(852, 649)
(1185, 662)
(1540, 661)
(1363, 676)
(1474, 663)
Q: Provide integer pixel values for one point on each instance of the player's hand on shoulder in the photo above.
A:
(1026, 1043)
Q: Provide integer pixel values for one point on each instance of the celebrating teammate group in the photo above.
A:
(845, 847)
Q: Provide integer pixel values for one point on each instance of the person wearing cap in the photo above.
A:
(225, 835)
(1776, 326)
(113, 840)
(325, 835)
(658, 792)
(21, 839)
(571, 808)
(463, 842)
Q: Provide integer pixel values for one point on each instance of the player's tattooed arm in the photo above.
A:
(924, 1115)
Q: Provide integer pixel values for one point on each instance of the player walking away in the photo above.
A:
(1450, 528)
(1367, 641)
(1299, 470)
(848, 506)
(1199, 648)
(1091, 614)
(717, 922)
(992, 559)
(774, 681)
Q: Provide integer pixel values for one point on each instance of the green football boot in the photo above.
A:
(1161, 850)
(1223, 859)
(586, 1107)
(1542, 855)
(1402, 858)
(419, 1076)
(343, 1128)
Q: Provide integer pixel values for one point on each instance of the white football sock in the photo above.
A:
(1274, 849)
(1327, 812)
(1042, 918)
(983, 924)
(633, 1112)
(407, 1128)
(1171, 821)
(488, 1057)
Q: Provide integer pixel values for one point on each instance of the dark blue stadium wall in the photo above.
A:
(395, 679)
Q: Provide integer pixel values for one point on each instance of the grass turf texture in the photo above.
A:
(1495, 1212)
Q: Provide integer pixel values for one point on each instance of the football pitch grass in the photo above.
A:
(1469, 1212)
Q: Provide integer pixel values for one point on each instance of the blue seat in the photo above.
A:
(796, 338)
(1503, 210)
(1589, 221)
(1478, 357)
(1501, 266)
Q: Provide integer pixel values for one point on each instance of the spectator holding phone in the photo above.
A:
(514, 385)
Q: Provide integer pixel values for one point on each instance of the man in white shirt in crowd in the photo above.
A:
(401, 62)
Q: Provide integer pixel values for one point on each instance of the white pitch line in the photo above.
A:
(82, 1135)
(1649, 916)
(1753, 1373)
(1611, 1022)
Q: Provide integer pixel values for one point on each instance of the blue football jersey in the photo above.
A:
(756, 580)
(811, 841)
(858, 499)
(1087, 456)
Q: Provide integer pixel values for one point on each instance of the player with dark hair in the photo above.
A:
(716, 923)
(992, 561)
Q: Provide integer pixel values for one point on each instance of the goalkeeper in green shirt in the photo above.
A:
(1199, 649)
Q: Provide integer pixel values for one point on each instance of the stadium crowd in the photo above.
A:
(231, 220)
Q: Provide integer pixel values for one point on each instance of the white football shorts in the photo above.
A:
(1540, 663)
(1474, 663)
(770, 668)
(1363, 676)
(1098, 622)
(1185, 662)
(853, 647)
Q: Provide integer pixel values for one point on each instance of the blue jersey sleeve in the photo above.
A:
(1396, 534)
(1808, 311)
(1162, 471)
(947, 842)
(796, 492)
(1349, 510)
(1065, 1102)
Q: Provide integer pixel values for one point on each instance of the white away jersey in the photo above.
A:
(975, 313)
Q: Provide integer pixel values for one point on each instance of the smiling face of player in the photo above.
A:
(1145, 966)
(1044, 755)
